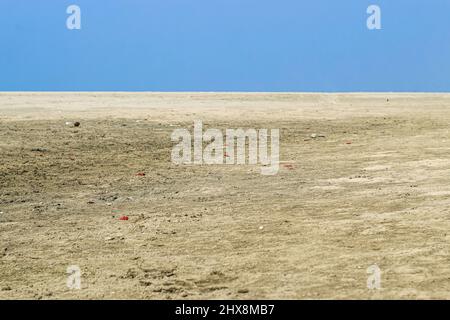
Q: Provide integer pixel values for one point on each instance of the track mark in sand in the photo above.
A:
(383, 154)
(377, 168)
(430, 163)
(159, 280)
(327, 188)
(216, 280)
(356, 179)
(437, 193)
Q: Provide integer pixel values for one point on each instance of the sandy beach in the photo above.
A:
(363, 181)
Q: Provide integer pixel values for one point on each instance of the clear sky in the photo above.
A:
(225, 45)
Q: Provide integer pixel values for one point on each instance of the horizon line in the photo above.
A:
(228, 92)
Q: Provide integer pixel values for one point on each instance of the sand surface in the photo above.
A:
(371, 188)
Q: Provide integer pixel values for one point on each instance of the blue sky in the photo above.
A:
(225, 45)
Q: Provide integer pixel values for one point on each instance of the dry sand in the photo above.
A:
(373, 190)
